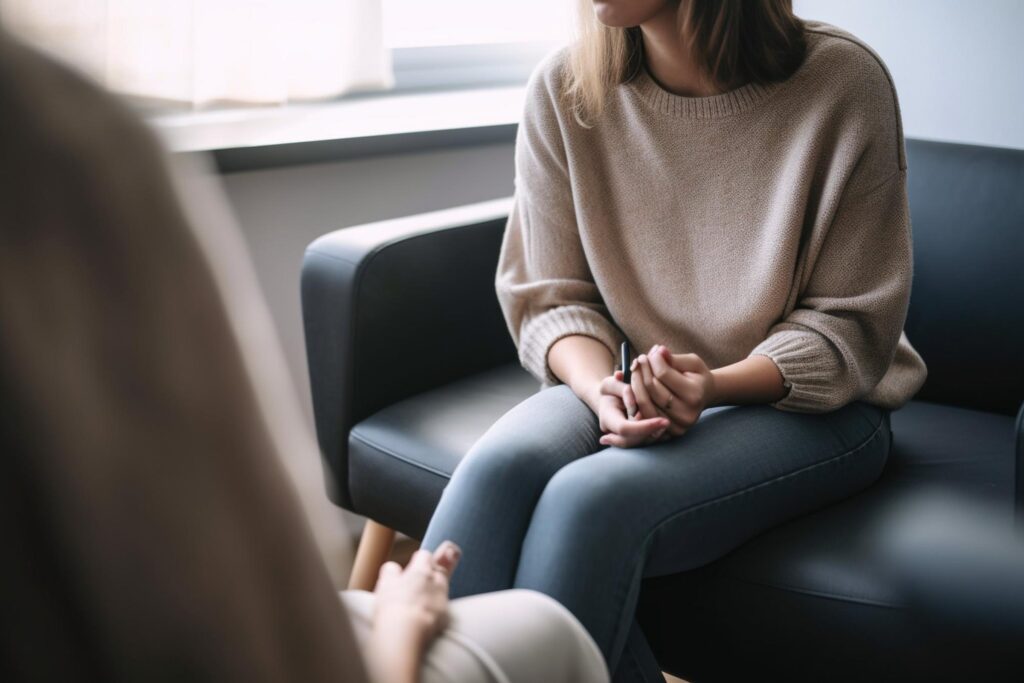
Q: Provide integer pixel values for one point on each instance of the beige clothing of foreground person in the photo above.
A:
(151, 532)
(769, 219)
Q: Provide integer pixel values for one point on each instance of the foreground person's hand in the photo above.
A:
(411, 608)
(677, 387)
(620, 430)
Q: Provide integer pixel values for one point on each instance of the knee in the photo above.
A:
(502, 462)
(584, 501)
(524, 448)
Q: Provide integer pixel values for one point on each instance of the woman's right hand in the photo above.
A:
(410, 609)
(417, 597)
(620, 430)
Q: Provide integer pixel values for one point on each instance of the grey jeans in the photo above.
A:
(539, 503)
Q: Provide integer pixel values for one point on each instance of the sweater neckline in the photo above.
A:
(743, 98)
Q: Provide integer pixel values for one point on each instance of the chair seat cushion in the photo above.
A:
(813, 597)
(401, 457)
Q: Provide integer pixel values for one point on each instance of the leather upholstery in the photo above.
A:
(810, 600)
(966, 315)
(815, 599)
(407, 451)
(368, 290)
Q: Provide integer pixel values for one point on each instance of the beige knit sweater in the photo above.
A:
(771, 219)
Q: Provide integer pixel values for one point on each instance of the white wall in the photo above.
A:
(957, 64)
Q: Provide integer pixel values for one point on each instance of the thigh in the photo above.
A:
(487, 505)
(607, 520)
(509, 636)
(508, 467)
(738, 471)
(539, 435)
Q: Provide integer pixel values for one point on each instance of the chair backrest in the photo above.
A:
(967, 302)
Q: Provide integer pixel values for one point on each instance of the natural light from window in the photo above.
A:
(416, 23)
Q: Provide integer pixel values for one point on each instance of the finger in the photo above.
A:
(440, 577)
(657, 394)
(656, 389)
(642, 428)
(388, 570)
(643, 399)
(619, 441)
(616, 387)
(629, 398)
(671, 380)
(687, 362)
(446, 556)
(618, 423)
(421, 560)
(612, 385)
(632, 441)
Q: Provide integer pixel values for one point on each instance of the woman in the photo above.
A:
(722, 185)
(151, 531)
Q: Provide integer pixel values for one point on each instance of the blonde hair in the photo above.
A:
(732, 42)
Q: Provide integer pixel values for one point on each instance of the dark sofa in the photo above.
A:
(410, 362)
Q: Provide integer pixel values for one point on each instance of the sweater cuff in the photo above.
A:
(808, 367)
(545, 329)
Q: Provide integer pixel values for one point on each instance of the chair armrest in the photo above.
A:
(394, 308)
(1019, 498)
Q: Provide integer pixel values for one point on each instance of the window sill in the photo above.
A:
(249, 139)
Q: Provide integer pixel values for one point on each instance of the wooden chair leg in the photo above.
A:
(374, 548)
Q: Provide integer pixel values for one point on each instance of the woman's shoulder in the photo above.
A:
(545, 111)
(850, 81)
(844, 62)
(545, 83)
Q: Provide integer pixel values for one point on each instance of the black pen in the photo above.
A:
(626, 376)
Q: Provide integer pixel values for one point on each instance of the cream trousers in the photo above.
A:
(511, 636)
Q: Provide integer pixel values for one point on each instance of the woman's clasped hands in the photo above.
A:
(666, 395)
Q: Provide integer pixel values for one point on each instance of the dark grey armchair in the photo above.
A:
(410, 362)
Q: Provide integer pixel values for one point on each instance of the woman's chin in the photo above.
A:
(613, 13)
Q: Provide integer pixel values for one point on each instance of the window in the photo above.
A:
(217, 53)
(415, 23)
(471, 43)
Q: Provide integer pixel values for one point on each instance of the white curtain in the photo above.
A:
(201, 52)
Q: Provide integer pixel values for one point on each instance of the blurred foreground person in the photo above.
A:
(959, 565)
(150, 530)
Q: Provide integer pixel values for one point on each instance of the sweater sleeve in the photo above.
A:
(840, 339)
(543, 281)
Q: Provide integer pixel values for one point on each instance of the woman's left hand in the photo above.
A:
(675, 386)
